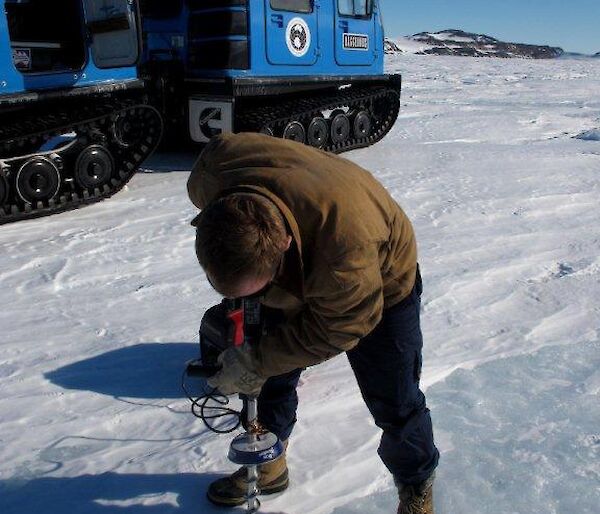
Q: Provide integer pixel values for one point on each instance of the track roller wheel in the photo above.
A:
(362, 125)
(294, 131)
(317, 132)
(266, 130)
(127, 129)
(340, 127)
(94, 167)
(3, 191)
(38, 180)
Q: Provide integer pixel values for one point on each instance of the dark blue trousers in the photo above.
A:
(387, 366)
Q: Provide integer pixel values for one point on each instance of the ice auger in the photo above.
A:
(234, 323)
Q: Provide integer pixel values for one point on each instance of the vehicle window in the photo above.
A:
(359, 8)
(292, 5)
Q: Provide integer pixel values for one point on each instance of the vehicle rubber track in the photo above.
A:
(104, 145)
(381, 103)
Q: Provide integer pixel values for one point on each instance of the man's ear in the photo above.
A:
(288, 243)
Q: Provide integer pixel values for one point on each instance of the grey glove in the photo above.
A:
(238, 373)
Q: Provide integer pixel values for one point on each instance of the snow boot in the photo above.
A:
(416, 499)
(232, 490)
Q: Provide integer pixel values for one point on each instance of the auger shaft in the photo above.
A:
(253, 503)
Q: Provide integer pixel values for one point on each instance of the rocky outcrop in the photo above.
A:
(390, 47)
(459, 42)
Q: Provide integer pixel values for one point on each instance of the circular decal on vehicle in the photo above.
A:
(297, 37)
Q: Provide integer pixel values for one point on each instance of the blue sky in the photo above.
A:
(572, 24)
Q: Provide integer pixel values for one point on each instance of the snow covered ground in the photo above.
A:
(100, 309)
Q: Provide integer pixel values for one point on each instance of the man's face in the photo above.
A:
(252, 285)
(249, 287)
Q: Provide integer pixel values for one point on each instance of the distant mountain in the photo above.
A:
(577, 55)
(459, 42)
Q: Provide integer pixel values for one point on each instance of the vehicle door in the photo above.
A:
(291, 32)
(113, 26)
(355, 32)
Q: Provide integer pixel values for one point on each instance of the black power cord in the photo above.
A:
(211, 406)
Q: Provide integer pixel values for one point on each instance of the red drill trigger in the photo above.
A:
(237, 318)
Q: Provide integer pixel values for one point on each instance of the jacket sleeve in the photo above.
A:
(347, 306)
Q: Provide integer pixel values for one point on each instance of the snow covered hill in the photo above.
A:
(466, 44)
(101, 306)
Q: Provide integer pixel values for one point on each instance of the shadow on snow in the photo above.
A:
(147, 370)
(108, 492)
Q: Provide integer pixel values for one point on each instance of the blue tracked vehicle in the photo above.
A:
(86, 85)
(74, 121)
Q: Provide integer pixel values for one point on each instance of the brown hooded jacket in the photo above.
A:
(353, 253)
